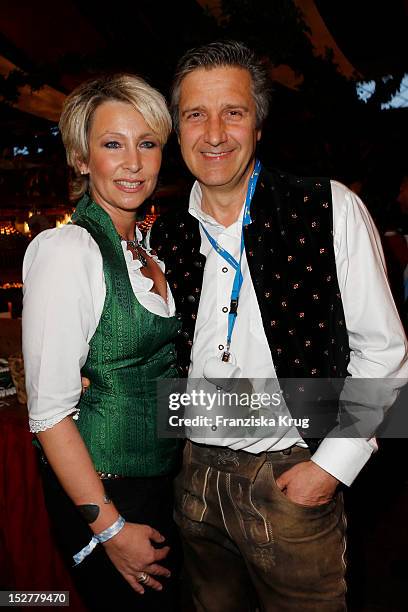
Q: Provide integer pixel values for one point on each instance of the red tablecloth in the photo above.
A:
(28, 557)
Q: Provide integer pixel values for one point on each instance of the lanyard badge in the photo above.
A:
(236, 287)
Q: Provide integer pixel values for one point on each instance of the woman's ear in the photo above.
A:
(82, 166)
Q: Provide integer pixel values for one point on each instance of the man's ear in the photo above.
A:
(258, 134)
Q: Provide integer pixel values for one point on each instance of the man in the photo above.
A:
(262, 519)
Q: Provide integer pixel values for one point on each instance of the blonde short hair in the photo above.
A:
(80, 105)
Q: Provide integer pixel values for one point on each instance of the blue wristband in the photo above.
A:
(99, 538)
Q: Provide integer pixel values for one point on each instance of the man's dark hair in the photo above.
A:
(218, 54)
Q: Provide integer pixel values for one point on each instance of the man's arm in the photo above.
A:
(377, 342)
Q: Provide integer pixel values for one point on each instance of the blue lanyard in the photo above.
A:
(236, 287)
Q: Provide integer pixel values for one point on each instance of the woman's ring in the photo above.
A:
(143, 578)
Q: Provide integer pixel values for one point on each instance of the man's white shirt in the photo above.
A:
(377, 341)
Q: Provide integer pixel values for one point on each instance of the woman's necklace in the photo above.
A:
(136, 248)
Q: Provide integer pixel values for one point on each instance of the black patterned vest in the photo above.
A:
(290, 253)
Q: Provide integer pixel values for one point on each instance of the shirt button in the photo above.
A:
(225, 309)
(220, 347)
(225, 269)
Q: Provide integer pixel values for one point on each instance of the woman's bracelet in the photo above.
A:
(99, 538)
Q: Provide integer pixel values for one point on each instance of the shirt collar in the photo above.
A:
(196, 211)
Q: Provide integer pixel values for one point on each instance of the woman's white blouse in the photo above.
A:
(64, 294)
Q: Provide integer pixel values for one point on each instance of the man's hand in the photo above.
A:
(85, 382)
(131, 551)
(307, 484)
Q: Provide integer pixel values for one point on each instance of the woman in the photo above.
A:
(96, 303)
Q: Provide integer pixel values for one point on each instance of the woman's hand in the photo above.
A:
(131, 551)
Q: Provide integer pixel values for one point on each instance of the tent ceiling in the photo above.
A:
(367, 38)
